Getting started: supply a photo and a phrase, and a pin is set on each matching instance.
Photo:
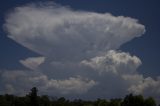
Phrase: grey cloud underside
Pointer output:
(79, 53)
(27, 79)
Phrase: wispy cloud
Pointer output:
(32, 62)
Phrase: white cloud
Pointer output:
(16, 80)
(113, 61)
(74, 43)
(62, 33)
(32, 62)
(147, 86)
(123, 66)
(72, 85)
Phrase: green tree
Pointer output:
(33, 97)
(44, 100)
(102, 102)
(115, 102)
(131, 100)
(150, 102)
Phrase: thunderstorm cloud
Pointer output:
(79, 53)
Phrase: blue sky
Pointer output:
(145, 47)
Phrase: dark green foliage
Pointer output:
(150, 102)
(32, 99)
(131, 100)
(115, 102)
(138, 100)
(44, 100)
(101, 102)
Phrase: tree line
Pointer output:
(32, 99)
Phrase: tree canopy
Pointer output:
(32, 99)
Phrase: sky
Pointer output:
(74, 48)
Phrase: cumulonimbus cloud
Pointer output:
(75, 43)
(52, 30)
